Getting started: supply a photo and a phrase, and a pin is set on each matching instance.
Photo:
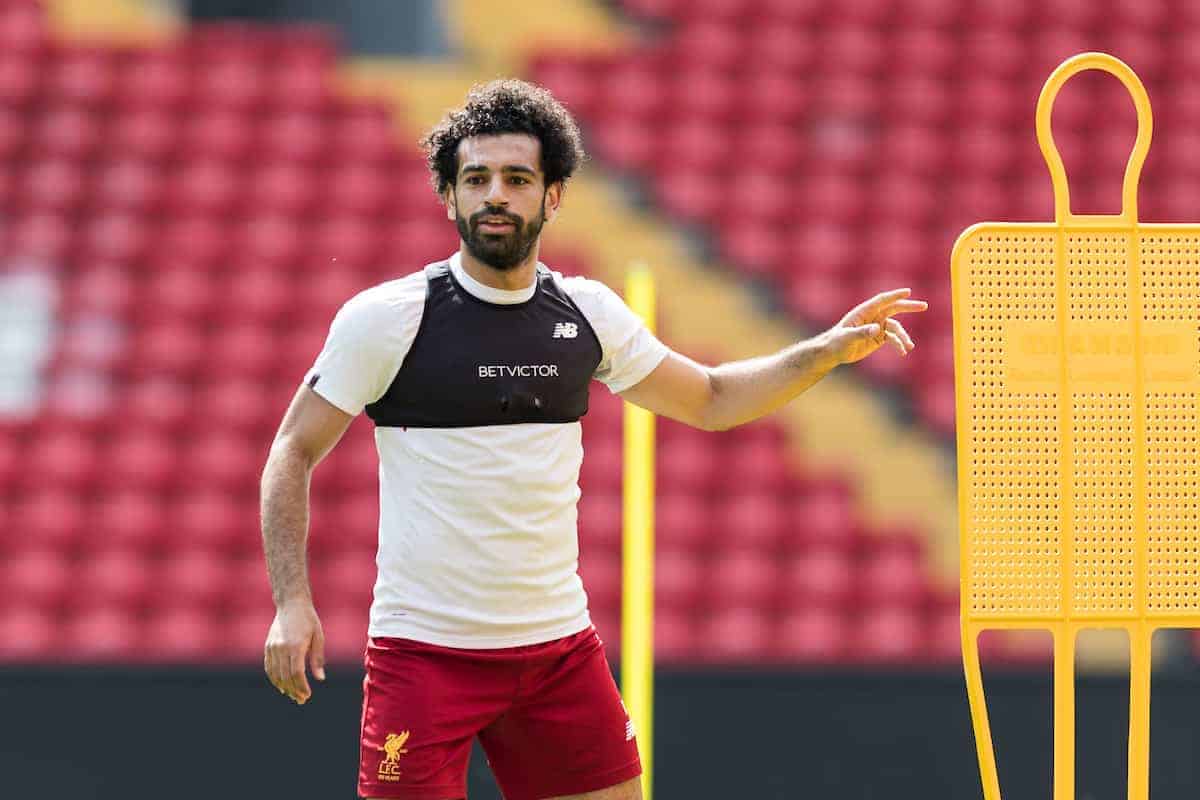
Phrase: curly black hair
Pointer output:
(506, 106)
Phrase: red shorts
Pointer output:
(548, 716)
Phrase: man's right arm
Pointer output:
(310, 429)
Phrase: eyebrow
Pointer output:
(507, 168)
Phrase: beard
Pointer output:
(500, 251)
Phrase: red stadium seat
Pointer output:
(687, 463)
(39, 579)
(65, 132)
(601, 575)
(234, 84)
(191, 577)
(782, 48)
(169, 349)
(82, 76)
(284, 189)
(632, 91)
(754, 246)
(684, 520)
(707, 43)
(128, 185)
(295, 136)
(820, 577)
(42, 237)
(148, 134)
(572, 81)
(49, 517)
(12, 128)
(101, 633)
(64, 459)
(159, 405)
(248, 591)
(356, 189)
(210, 518)
(220, 135)
(155, 78)
(825, 516)
(363, 134)
(736, 635)
(738, 576)
(114, 578)
(195, 239)
(893, 577)
(183, 635)
(600, 521)
(693, 197)
(347, 578)
(890, 635)
(674, 639)
(345, 629)
(263, 295)
(205, 185)
(23, 27)
(27, 635)
(345, 240)
(602, 463)
(299, 85)
(242, 349)
(679, 579)
(811, 636)
(131, 520)
(53, 186)
(752, 519)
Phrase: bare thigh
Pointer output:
(629, 790)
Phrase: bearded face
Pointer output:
(499, 237)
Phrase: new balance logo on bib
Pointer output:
(565, 330)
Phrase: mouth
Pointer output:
(496, 225)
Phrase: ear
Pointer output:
(451, 202)
(553, 200)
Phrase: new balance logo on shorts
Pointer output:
(628, 730)
(565, 330)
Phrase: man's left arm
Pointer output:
(736, 392)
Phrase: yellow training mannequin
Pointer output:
(1077, 377)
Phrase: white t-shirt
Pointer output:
(478, 545)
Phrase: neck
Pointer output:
(519, 277)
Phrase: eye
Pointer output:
(519, 180)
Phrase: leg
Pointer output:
(422, 707)
(1064, 713)
(979, 715)
(1141, 638)
(567, 733)
(629, 790)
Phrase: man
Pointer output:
(476, 371)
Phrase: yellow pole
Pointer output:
(637, 589)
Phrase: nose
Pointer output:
(495, 194)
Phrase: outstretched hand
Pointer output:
(869, 325)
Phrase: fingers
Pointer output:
(895, 340)
(297, 680)
(284, 666)
(316, 657)
(897, 330)
(907, 307)
(869, 309)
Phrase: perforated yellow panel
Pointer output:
(1171, 300)
(1077, 358)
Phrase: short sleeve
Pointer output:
(630, 351)
(367, 343)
